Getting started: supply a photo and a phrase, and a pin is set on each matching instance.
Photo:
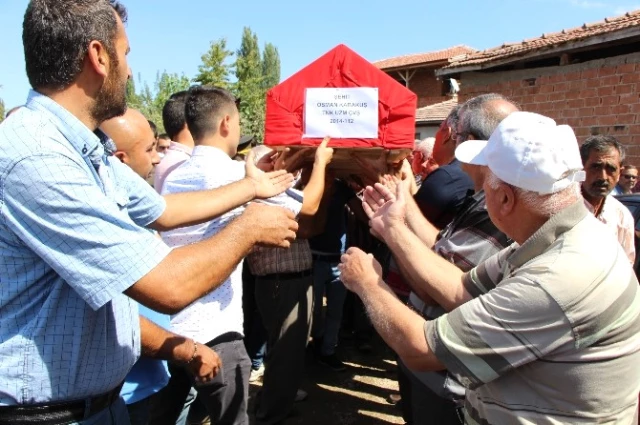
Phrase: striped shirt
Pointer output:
(551, 337)
(467, 241)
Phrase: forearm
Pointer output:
(400, 327)
(192, 271)
(428, 272)
(313, 190)
(190, 208)
(159, 343)
(418, 223)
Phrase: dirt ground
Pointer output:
(357, 396)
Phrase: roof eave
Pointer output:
(430, 64)
(633, 31)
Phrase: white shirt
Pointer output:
(620, 221)
(220, 311)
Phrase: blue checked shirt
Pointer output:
(71, 242)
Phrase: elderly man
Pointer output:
(422, 162)
(543, 332)
(602, 157)
(470, 238)
(73, 248)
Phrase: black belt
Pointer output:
(288, 276)
(327, 258)
(58, 413)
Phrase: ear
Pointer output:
(122, 156)
(97, 58)
(225, 125)
(447, 132)
(507, 199)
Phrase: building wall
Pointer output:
(596, 97)
(423, 131)
(425, 85)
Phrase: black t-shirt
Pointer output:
(442, 193)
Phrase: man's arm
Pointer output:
(400, 327)
(158, 343)
(315, 187)
(190, 272)
(190, 208)
(414, 218)
(428, 273)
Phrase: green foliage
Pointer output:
(150, 102)
(215, 69)
(254, 73)
(250, 87)
(270, 66)
(2, 110)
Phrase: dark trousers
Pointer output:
(225, 397)
(286, 308)
(421, 406)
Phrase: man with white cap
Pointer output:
(544, 332)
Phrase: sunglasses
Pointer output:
(629, 176)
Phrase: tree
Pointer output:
(249, 87)
(214, 70)
(133, 99)
(270, 66)
(150, 102)
(2, 110)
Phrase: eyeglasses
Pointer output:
(629, 176)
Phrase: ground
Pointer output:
(357, 396)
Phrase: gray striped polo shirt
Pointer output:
(551, 337)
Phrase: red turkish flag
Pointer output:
(341, 67)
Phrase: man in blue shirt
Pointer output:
(443, 191)
(73, 251)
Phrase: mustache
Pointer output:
(600, 183)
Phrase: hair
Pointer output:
(629, 167)
(546, 205)
(600, 143)
(56, 36)
(164, 136)
(425, 147)
(205, 107)
(154, 128)
(173, 113)
(478, 118)
(452, 119)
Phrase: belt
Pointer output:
(58, 413)
(327, 258)
(288, 276)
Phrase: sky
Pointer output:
(172, 35)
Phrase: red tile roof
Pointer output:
(423, 58)
(437, 112)
(507, 50)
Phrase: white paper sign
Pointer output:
(342, 113)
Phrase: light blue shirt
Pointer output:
(147, 376)
(71, 242)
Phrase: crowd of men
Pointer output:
(502, 277)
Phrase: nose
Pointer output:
(155, 157)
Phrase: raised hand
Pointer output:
(323, 154)
(359, 271)
(205, 365)
(286, 160)
(272, 226)
(384, 208)
(269, 184)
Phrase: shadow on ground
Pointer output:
(356, 396)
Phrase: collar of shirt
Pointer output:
(89, 144)
(540, 241)
(210, 152)
(175, 146)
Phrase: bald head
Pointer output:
(135, 141)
